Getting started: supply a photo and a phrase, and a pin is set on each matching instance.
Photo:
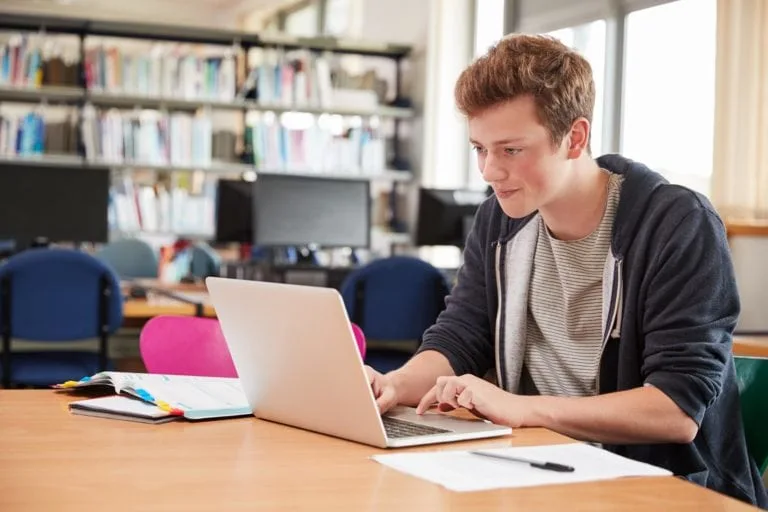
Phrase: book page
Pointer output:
(118, 380)
(190, 393)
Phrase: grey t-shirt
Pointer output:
(564, 331)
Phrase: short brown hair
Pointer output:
(557, 78)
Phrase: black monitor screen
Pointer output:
(59, 204)
(234, 211)
(301, 211)
(445, 216)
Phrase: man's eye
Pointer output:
(512, 151)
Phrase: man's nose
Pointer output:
(493, 170)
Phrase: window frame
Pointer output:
(549, 15)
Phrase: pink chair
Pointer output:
(183, 345)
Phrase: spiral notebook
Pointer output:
(194, 398)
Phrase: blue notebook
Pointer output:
(194, 398)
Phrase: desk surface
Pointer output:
(156, 304)
(53, 460)
(746, 227)
(750, 346)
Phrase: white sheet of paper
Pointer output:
(463, 471)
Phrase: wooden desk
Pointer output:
(144, 309)
(750, 346)
(137, 311)
(52, 460)
(746, 227)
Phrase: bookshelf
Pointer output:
(225, 168)
(63, 95)
(183, 89)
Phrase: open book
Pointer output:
(194, 398)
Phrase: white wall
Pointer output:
(175, 12)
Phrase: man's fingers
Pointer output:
(373, 381)
(465, 399)
(427, 401)
(448, 390)
(386, 400)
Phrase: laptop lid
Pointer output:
(296, 357)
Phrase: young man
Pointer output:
(601, 297)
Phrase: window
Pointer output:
(303, 21)
(489, 24)
(337, 17)
(489, 28)
(589, 40)
(669, 90)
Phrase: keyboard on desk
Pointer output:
(400, 428)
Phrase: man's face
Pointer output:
(516, 156)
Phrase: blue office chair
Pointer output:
(56, 295)
(205, 261)
(131, 258)
(394, 298)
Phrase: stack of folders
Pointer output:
(155, 398)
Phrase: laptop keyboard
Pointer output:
(400, 428)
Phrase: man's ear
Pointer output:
(578, 138)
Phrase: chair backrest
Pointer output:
(55, 295)
(205, 261)
(395, 298)
(752, 375)
(131, 258)
(183, 345)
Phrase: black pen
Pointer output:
(552, 466)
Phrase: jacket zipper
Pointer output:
(497, 265)
(613, 325)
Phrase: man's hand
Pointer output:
(383, 389)
(478, 396)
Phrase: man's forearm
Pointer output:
(643, 415)
(418, 376)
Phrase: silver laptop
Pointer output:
(298, 362)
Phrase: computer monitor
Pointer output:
(445, 216)
(308, 211)
(234, 211)
(55, 204)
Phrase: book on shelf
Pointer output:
(193, 398)
(314, 144)
(31, 134)
(163, 70)
(300, 78)
(162, 207)
(32, 60)
(22, 135)
(148, 137)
